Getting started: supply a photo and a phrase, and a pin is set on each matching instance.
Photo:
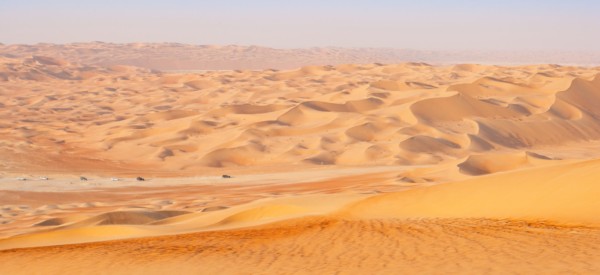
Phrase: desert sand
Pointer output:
(335, 169)
(186, 57)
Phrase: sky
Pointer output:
(423, 25)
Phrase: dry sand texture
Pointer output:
(350, 168)
(59, 117)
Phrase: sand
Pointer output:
(346, 169)
(538, 222)
(189, 58)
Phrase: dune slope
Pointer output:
(508, 222)
(177, 56)
(560, 194)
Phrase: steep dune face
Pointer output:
(67, 117)
(564, 194)
(572, 117)
(457, 108)
(492, 163)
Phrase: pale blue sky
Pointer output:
(429, 24)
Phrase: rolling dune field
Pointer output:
(325, 169)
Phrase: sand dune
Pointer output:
(560, 194)
(373, 167)
(552, 210)
(336, 246)
(190, 123)
(176, 56)
(493, 163)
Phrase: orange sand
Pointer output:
(382, 169)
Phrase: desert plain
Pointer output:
(351, 168)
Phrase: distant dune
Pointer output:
(63, 116)
(175, 56)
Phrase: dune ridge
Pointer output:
(186, 57)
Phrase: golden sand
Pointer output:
(360, 169)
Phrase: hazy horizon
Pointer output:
(427, 25)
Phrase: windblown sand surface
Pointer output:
(366, 169)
